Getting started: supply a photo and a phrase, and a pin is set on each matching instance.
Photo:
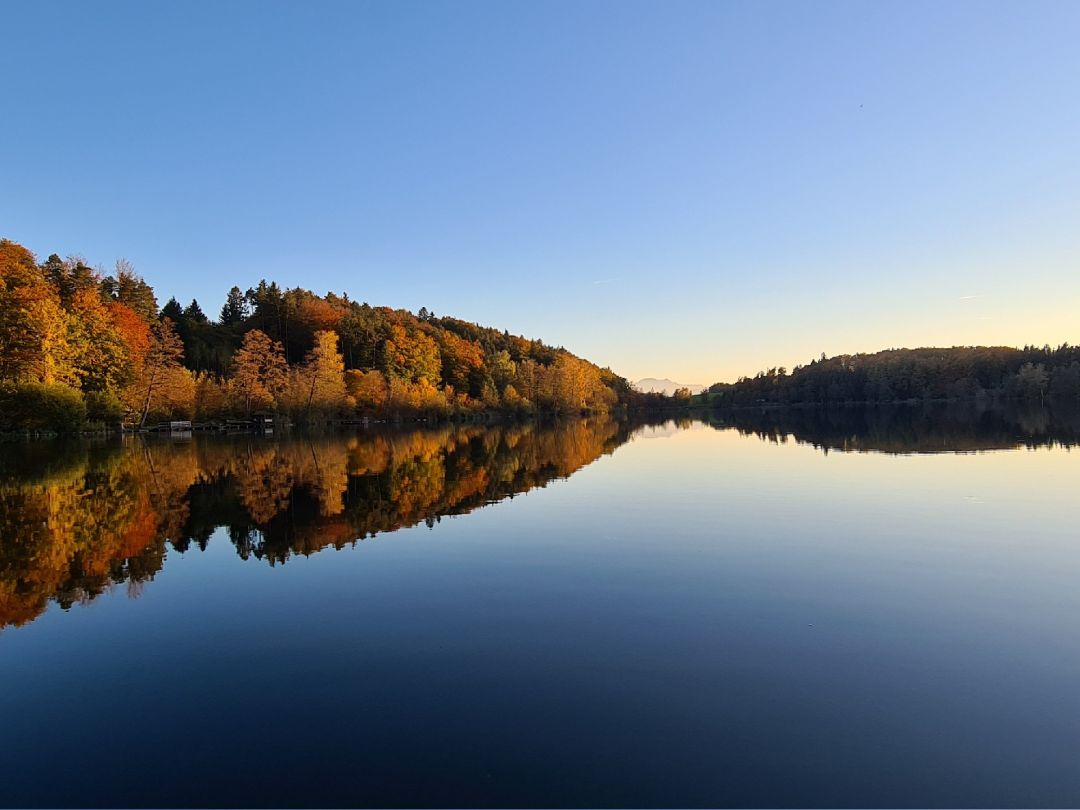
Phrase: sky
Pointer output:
(672, 189)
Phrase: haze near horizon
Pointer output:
(694, 191)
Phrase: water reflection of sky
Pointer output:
(703, 619)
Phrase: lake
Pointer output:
(876, 607)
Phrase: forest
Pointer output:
(899, 375)
(79, 348)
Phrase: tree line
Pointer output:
(898, 375)
(80, 347)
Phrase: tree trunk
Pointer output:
(311, 396)
(146, 402)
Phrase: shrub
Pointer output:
(104, 407)
(41, 406)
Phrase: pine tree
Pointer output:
(235, 309)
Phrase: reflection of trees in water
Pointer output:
(928, 428)
(72, 533)
(74, 521)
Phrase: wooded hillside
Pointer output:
(904, 374)
(77, 345)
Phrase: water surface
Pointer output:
(815, 608)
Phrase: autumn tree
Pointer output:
(33, 326)
(310, 314)
(369, 390)
(412, 355)
(571, 384)
(215, 397)
(503, 369)
(322, 375)
(162, 381)
(99, 353)
(128, 287)
(527, 380)
(462, 362)
(133, 331)
(259, 370)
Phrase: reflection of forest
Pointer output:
(951, 427)
(76, 520)
(75, 523)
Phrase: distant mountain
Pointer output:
(665, 386)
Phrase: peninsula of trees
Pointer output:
(78, 346)
(898, 375)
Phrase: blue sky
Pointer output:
(693, 190)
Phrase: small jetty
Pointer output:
(260, 424)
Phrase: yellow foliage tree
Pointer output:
(162, 385)
(369, 389)
(259, 370)
(33, 326)
(323, 376)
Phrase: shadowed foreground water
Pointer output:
(801, 608)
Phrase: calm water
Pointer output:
(813, 608)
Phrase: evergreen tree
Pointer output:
(193, 312)
(172, 310)
(235, 310)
